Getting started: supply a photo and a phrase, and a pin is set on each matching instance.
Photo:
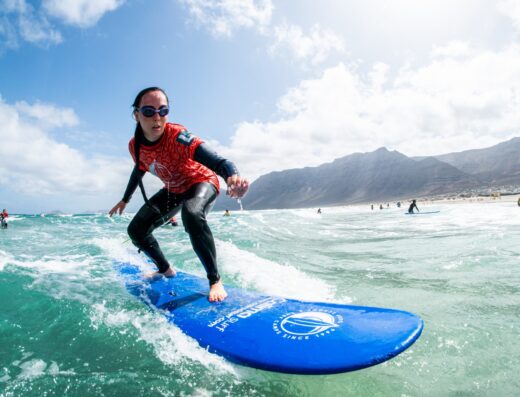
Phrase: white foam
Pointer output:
(199, 392)
(12, 218)
(258, 215)
(121, 250)
(63, 264)
(5, 258)
(73, 264)
(32, 369)
(170, 344)
(36, 367)
(307, 213)
(270, 277)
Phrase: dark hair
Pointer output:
(142, 93)
(139, 134)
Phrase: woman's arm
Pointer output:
(133, 182)
(237, 186)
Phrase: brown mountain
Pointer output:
(382, 175)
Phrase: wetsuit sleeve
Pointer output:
(132, 184)
(214, 162)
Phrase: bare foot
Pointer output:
(156, 275)
(217, 293)
(169, 273)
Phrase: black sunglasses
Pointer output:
(149, 111)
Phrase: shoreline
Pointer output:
(512, 198)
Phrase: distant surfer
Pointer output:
(319, 210)
(173, 221)
(226, 213)
(3, 218)
(518, 202)
(188, 169)
(412, 206)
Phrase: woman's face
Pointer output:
(153, 127)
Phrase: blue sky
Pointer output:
(271, 85)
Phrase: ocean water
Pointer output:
(68, 327)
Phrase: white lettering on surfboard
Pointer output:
(306, 325)
(242, 313)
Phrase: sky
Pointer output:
(269, 84)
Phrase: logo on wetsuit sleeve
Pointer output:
(185, 138)
(303, 325)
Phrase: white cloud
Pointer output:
(14, 5)
(314, 47)
(452, 104)
(47, 115)
(82, 13)
(31, 162)
(510, 9)
(19, 21)
(8, 35)
(222, 17)
(38, 30)
(453, 49)
(22, 22)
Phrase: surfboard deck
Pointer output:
(274, 333)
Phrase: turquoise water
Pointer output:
(69, 328)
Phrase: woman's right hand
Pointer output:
(118, 208)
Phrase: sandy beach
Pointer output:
(513, 199)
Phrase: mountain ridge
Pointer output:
(383, 175)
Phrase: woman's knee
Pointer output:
(136, 231)
(193, 219)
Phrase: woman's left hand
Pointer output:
(237, 186)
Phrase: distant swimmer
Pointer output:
(227, 213)
(319, 210)
(3, 217)
(412, 206)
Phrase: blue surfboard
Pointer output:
(274, 333)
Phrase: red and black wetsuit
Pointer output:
(188, 170)
(3, 217)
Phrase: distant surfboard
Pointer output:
(421, 213)
(274, 333)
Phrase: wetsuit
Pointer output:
(412, 206)
(3, 218)
(187, 167)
